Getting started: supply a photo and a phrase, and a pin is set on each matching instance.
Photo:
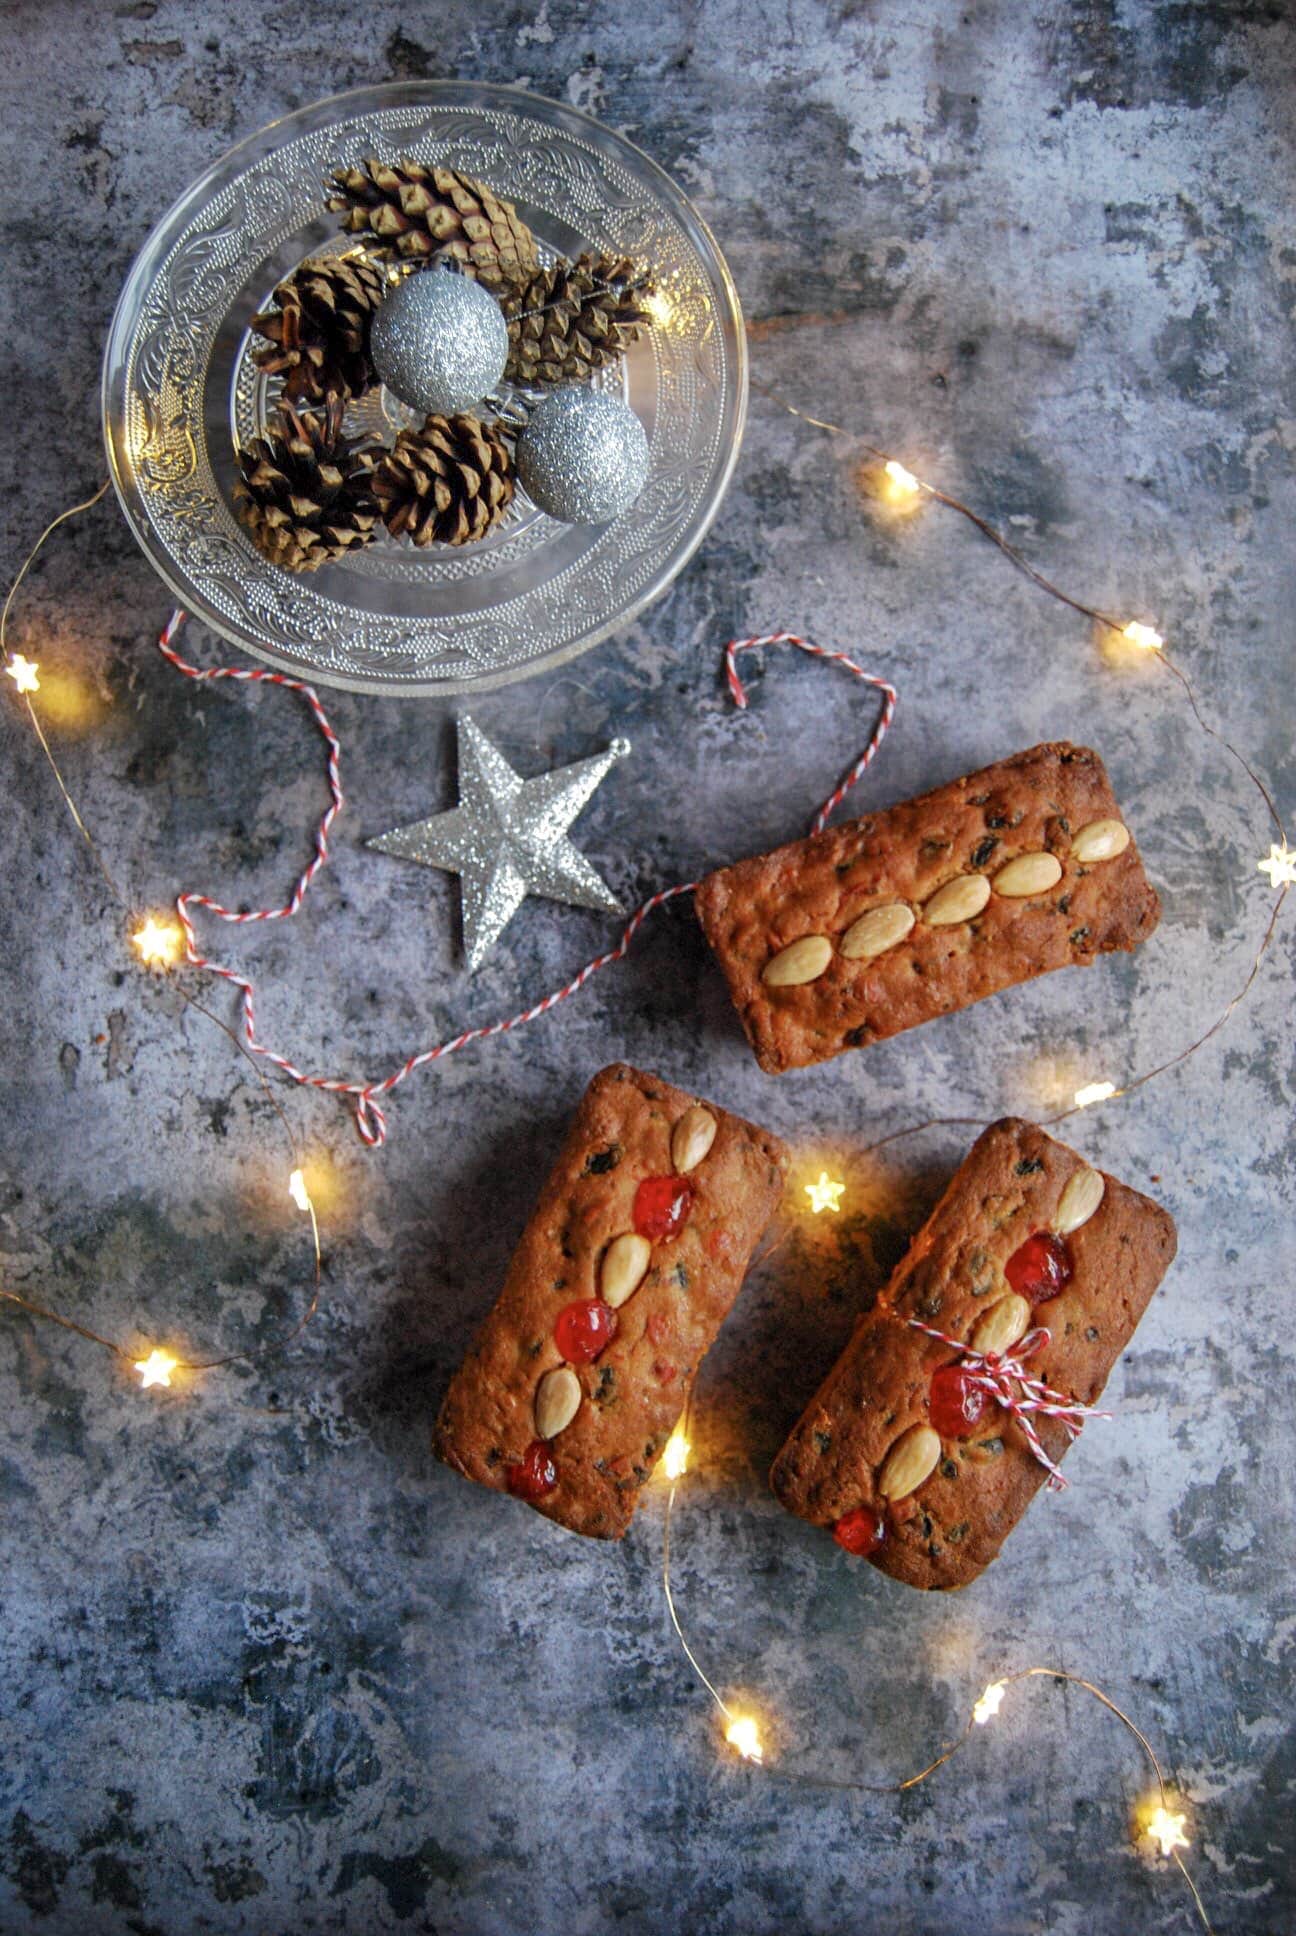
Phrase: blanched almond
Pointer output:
(1028, 874)
(959, 900)
(876, 931)
(1002, 1325)
(692, 1137)
(1079, 1200)
(557, 1401)
(1100, 840)
(909, 1461)
(624, 1262)
(801, 961)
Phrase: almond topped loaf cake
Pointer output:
(622, 1278)
(1035, 1270)
(885, 922)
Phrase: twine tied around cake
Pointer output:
(1003, 1377)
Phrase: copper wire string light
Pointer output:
(158, 945)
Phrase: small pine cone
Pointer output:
(449, 483)
(415, 212)
(318, 331)
(570, 320)
(305, 491)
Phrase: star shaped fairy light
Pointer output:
(156, 944)
(23, 673)
(1166, 1829)
(989, 1704)
(1280, 865)
(156, 1369)
(507, 838)
(825, 1194)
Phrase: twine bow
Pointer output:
(1002, 1376)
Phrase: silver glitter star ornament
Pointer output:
(507, 838)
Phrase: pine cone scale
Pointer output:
(413, 211)
(304, 491)
(449, 483)
(318, 332)
(567, 321)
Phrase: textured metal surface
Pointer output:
(265, 1668)
(180, 388)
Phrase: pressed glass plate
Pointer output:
(180, 387)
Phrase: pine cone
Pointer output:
(416, 212)
(305, 490)
(568, 321)
(449, 483)
(319, 332)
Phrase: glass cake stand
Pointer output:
(180, 388)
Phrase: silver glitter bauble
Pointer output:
(439, 342)
(583, 456)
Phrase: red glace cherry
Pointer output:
(583, 1329)
(534, 1474)
(955, 1403)
(1041, 1268)
(861, 1531)
(661, 1206)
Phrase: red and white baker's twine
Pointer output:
(1002, 1376)
(370, 1118)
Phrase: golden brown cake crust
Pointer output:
(1034, 802)
(951, 1527)
(634, 1392)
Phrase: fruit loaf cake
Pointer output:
(882, 923)
(625, 1273)
(903, 1453)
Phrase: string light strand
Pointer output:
(742, 1732)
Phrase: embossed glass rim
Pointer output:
(344, 109)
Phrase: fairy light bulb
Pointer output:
(1280, 865)
(743, 1734)
(23, 673)
(904, 486)
(990, 1703)
(156, 1369)
(1145, 637)
(1093, 1092)
(659, 306)
(298, 1192)
(1165, 1827)
(826, 1194)
(156, 943)
(675, 1458)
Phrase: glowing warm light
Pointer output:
(659, 306)
(826, 1194)
(1094, 1092)
(742, 1733)
(23, 673)
(1166, 1829)
(156, 1369)
(1144, 636)
(298, 1192)
(676, 1456)
(990, 1703)
(157, 944)
(1280, 865)
(903, 483)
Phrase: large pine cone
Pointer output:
(319, 329)
(569, 320)
(417, 212)
(449, 483)
(305, 491)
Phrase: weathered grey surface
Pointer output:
(267, 1669)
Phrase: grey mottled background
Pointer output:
(266, 1668)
